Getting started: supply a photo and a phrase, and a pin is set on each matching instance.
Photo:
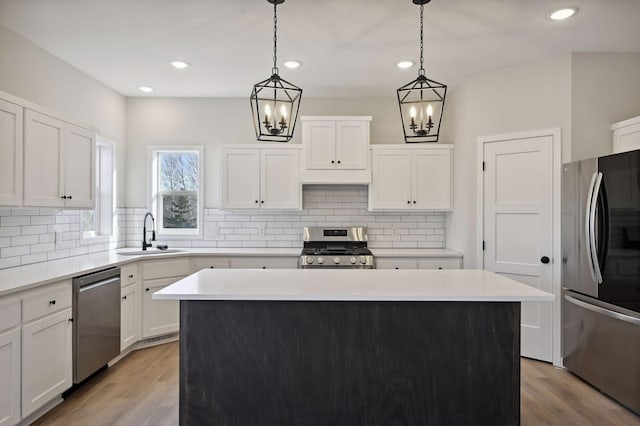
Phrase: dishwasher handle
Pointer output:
(99, 284)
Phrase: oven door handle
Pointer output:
(602, 311)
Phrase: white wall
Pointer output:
(212, 122)
(31, 73)
(605, 90)
(530, 96)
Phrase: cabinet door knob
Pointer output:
(414, 202)
(64, 197)
(212, 267)
(69, 197)
(124, 297)
(408, 202)
(397, 267)
(262, 201)
(332, 162)
(70, 319)
(52, 302)
(256, 201)
(544, 259)
(338, 161)
(130, 275)
(264, 267)
(146, 289)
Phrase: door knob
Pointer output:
(544, 259)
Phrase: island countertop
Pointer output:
(351, 285)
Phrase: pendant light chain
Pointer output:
(275, 38)
(421, 71)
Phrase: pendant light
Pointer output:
(275, 101)
(422, 100)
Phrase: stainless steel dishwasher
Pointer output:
(96, 321)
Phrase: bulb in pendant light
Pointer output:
(283, 112)
(412, 112)
(429, 111)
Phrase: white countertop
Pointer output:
(30, 276)
(350, 285)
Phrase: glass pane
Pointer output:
(180, 211)
(88, 223)
(178, 171)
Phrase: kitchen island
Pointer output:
(349, 347)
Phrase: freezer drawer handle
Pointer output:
(599, 310)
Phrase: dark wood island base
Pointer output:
(349, 363)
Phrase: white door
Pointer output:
(319, 144)
(11, 125)
(390, 187)
(80, 174)
(10, 377)
(279, 181)
(240, 179)
(352, 145)
(46, 360)
(159, 316)
(44, 159)
(518, 228)
(432, 179)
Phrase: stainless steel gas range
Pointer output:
(336, 248)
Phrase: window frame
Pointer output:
(105, 215)
(154, 201)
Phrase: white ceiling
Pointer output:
(347, 47)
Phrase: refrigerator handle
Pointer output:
(592, 229)
(599, 310)
(588, 226)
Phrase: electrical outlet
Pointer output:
(212, 232)
(261, 230)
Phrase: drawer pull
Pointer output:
(70, 319)
(146, 289)
(211, 267)
(52, 302)
(130, 275)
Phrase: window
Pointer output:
(98, 224)
(176, 199)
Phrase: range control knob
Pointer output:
(309, 260)
(363, 259)
(320, 260)
(336, 260)
(352, 260)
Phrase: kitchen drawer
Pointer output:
(396, 264)
(264, 262)
(208, 262)
(439, 264)
(50, 299)
(9, 313)
(153, 269)
(129, 274)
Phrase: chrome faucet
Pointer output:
(144, 231)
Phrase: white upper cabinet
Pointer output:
(59, 163)
(626, 135)
(335, 149)
(405, 177)
(260, 177)
(11, 124)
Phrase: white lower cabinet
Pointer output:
(159, 316)
(208, 262)
(46, 359)
(10, 359)
(264, 262)
(419, 263)
(129, 314)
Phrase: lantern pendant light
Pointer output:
(275, 101)
(422, 100)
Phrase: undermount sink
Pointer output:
(152, 251)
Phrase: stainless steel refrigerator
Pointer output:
(601, 274)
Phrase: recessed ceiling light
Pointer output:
(562, 14)
(179, 64)
(405, 64)
(145, 89)
(292, 64)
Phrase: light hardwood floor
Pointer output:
(142, 389)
